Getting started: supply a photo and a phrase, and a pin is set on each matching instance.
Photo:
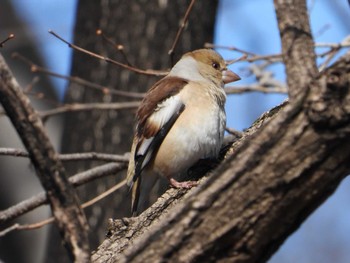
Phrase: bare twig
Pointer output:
(232, 61)
(232, 48)
(31, 85)
(52, 219)
(247, 55)
(179, 32)
(345, 43)
(236, 133)
(334, 48)
(2, 43)
(94, 156)
(71, 156)
(89, 107)
(106, 90)
(118, 47)
(76, 180)
(256, 88)
(104, 194)
(149, 72)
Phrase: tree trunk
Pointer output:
(147, 30)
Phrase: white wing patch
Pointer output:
(162, 114)
(165, 110)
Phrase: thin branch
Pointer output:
(94, 156)
(256, 88)
(330, 55)
(71, 156)
(52, 219)
(247, 55)
(27, 89)
(89, 107)
(345, 43)
(232, 48)
(104, 194)
(76, 180)
(118, 47)
(149, 72)
(9, 37)
(334, 49)
(106, 90)
(236, 133)
(179, 32)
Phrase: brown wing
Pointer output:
(162, 90)
(156, 115)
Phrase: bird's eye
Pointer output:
(215, 65)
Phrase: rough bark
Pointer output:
(297, 45)
(273, 178)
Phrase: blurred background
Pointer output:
(249, 25)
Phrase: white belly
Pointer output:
(190, 139)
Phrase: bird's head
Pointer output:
(204, 63)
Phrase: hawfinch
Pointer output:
(180, 120)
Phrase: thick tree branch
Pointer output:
(63, 199)
(297, 45)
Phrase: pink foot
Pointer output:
(187, 184)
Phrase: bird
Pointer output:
(180, 120)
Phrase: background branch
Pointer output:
(297, 45)
(63, 199)
(52, 219)
(108, 60)
(76, 180)
(89, 107)
(106, 90)
(71, 156)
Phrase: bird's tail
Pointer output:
(135, 195)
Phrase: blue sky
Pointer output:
(250, 25)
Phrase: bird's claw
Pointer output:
(186, 184)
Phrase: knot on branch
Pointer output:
(329, 104)
(118, 226)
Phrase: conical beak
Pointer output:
(228, 76)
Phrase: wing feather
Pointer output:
(157, 114)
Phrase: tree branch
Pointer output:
(52, 219)
(89, 107)
(9, 37)
(76, 180)
(148, 72)
(63, 199)
(106, 90)
(69, 157)
(297, 45)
